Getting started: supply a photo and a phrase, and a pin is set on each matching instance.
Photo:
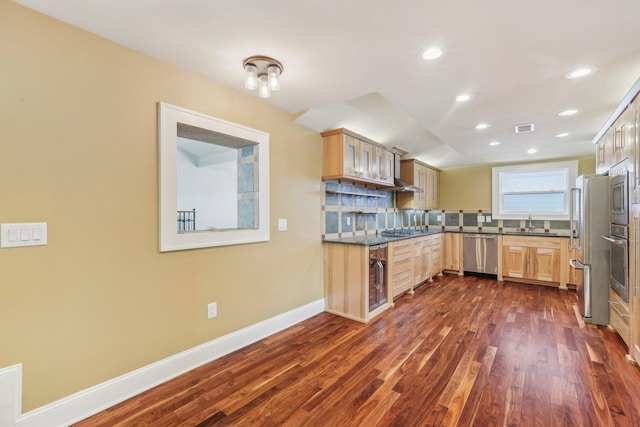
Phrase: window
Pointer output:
(540, 189)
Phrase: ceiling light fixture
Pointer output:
(262, 73)
(494, 143)
(432, 53)
(570, 112)
(463, 98)
(481, 126)
(580, 72)
(532, 151)
(562, 135)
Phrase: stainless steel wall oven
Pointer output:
(619, 260)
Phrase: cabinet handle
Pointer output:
(613, 305)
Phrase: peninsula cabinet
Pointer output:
(347, 155)
(346, 282)
(533, 258)
(423, 176)
(400, 266)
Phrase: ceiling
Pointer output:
(357, 64)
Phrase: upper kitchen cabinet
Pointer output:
(618, 140)
(347, 155)
(604, 153)
(423, 176)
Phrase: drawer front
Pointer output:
(402, 261)
(401, 282)
(619, 316)
(402, 247)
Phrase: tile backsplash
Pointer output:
(352, 210)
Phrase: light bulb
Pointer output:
(251, 77)
(263, 89)
(273, 72)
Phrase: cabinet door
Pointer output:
(635, 151)
(421, 181)
(451, 251)
(351, 156)
(418, 261)
(545, 264)
(603, 153)
(432, 189)
(388, 166)
(513, 261)
(367, 154)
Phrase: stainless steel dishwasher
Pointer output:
(480, 253)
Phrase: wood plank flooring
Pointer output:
(464, 351)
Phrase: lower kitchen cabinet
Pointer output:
(452, 252)
(346, 282)
(421, 259)
(620, 317)
(401, 264)
(533, 258)
(435, 266)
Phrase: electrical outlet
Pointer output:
(348, 220)
(487, 218)
(480, 219)
(439, 218)
(212, 310)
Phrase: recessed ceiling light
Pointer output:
(481, 126)
(570, 112)
(580, 72)
(494, 143)
(432, 53)
(562, 135)
(532, 151)
(463, 98)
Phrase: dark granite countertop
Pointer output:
(380, 239)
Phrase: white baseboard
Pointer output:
(85, 403)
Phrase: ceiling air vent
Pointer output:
(525, 128)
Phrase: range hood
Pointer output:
(399, 185)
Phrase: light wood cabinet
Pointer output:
(436, 264)
(423, 176)
(635, 152)
(347, 155)
(603, 153)
(620, 318)
(400, 266)
(346, 282)
(452, 252)
(421, 257)
(533, 258)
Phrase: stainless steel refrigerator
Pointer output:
(590, 215)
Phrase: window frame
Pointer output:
(497, 195)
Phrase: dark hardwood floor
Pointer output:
(461, 351)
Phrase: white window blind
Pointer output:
(540, 189)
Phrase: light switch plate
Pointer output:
(480, 219)
(23, 234)
(487, 218)
(282, 225)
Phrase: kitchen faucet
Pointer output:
(531, 227)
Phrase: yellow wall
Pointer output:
(470, 188)
(78, 150)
